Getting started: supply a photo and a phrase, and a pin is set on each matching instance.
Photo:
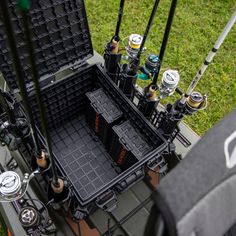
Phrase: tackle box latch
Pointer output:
(157, 164)
(130, 180)
(107, 201)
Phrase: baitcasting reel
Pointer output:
(169, 83)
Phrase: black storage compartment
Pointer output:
(79, 153)
(127, 145)
(61, 40)
(102, 114)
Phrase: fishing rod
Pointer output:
(170, 79)
(154, 9)
(192, 101)
(112, 56)
(57, 183)
(8, 132)
(209, 58)
(129, 73)
(165, 38)
(18, 70)
(5, 105)
(120, 14)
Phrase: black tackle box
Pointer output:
(62, 40)
(102, 114)
(128, 145)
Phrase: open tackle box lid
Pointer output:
(60, 35)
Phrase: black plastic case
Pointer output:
(61, 39)
(79, 153)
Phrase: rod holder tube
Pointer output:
(127, 82)
(148, 101)
(112, 65)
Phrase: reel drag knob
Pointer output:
(135, 41)
(132, 49)
(195, 102)
(169, 83)
(10, 184)
(29, 217)
(152, 63)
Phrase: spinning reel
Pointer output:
(12, 187)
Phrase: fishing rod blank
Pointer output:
(6, 108)
(154, 9)
(129, 76)
(209, 57)
(17, 65)
(120, 14)
(165, 37)
(192, 101)
(56, 182)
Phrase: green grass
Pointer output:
(196, 26)
(2, 226)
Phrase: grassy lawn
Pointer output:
(197, 25)
(2, 226)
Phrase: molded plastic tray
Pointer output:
(83, 157)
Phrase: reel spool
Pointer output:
(152, 63)
(195, 102)
(34, 217)
(134, 44)
(151, 66)
(169, 83)
(29, 217)
(10, 185)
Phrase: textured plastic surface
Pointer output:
(60, 36)
(65, 99)
(132, 139)
(101, 114)
(80, 155)
(128, 146)
(104, 105)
